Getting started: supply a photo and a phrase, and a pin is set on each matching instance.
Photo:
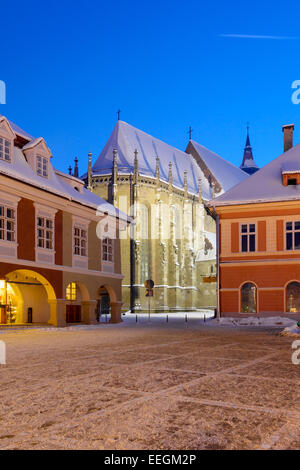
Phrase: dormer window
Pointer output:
(290, 173)
(42, 166)
(5, 150)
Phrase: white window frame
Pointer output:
(106, 243)
(80, 261)
(43, 254)
(293, 231)
(8, 248)
(78, 238)
(47, 227)
(5, 143)
(42, 165)
(248, 233)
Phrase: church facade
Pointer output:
(173, 240)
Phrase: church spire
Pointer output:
(248, 164)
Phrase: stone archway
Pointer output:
(110, 304)
(78, 303)
(28, 297)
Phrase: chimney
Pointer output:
(288, 130)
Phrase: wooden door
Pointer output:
(73, 313)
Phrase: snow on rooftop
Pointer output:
(20, 170)
(266, 184)
(227, 174)
(20, 131)
(126, 139)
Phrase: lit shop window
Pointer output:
(71, 291)
(45, 233)
(7, 224)
(80, 242)
(42, 166)
(5, 150)
(292, 235)
(107, 249)
(247, 237)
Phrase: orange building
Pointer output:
(259, 239)
(59, 243)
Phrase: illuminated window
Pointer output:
(42, 166)
(7, 224)
(247, 237)
(45, 233)
(5, 150)
(80, 242)
(71, 291)
(107, 249)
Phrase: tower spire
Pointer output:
(76, 172)
(90, 171)
(248, 164)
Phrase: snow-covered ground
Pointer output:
(254, 321)
(149, 386)
(292, 330)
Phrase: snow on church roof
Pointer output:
(227, 174)
(266, 184)
(19, 169)
(126, 139)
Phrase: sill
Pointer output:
(45, 250)
(8, 243)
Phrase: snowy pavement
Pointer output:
(156, 385)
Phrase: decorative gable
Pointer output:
(7, 137)
(38, 156)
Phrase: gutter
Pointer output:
(212, 212)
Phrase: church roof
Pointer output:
(227, 174)
(266, 184)
(126, 139)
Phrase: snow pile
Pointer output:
(292, 330)
(255, 321)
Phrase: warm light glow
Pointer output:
(2, 283)
(71, 291)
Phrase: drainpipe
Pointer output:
(215, 216)
(218, 265)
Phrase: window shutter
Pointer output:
(262, 239)
(235, 237)
(279, 235)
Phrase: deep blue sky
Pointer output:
(70, 65)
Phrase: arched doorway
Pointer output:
(248, 298)
(24, 297)
(293, 297)
(103, 305)
(76, 296)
